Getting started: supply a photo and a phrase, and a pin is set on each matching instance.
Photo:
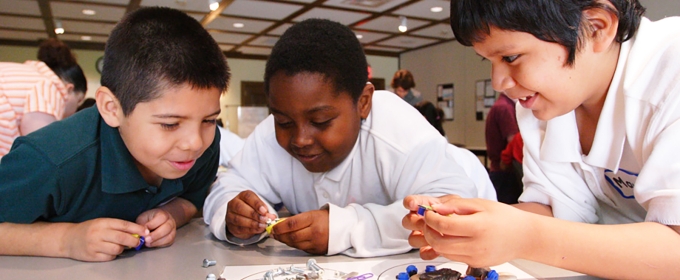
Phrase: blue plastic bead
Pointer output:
(402, 276)
(469, 277)
(492, 275)
(141, 243)
(421, 210)
(430, 268)
(411, 270)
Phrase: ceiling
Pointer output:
(27, 22)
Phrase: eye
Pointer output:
(511, 58)
(484, 59)
(283, 124)
(322, 123)
(169, 126)
(211, 122)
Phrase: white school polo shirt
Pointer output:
(397, 153)
(632, 173)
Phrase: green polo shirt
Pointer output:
(79, 169)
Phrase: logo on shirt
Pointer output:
(623, 182)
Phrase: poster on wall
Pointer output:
(445, 100)
(485, 97)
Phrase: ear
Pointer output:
(365, 101)
(603, 27)
(109, 107)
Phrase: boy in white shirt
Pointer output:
(599, 91)
(339, 157)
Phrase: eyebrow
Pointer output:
(311, 111)
(503, 49)
(172, 116)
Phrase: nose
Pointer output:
(501, 80)
(302, 137)
(192, 141)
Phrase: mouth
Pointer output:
(527, 101)
(183, 165)
(307, 158)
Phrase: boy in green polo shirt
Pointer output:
(139, 163)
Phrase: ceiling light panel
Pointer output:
(249, 26)
(407, 42)
(183, 5)
(261, 9)
(421, 9)
(89, 28)
(365, 5)
(343, 17)
(23, 35)
(22, 23)
(229, 38)
(21, 7)
(75, 11)
(390, 24)
(442, 31)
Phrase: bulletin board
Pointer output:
(485, 98)
(445, 100)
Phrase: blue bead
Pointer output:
(492, 275)
(421, 210)
(411, 270)
(469, 277)
(141, 243)
(430, 268)
(402, 276)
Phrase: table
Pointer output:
(183, 260)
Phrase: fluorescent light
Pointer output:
(89, 12)
(214, 4)
(58, 28)
(436, 9)
(359, 36)
(86, 38)
(239, 25)
(402, 26)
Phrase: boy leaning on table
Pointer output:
(140, 162)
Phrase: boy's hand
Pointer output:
(247, 215)
(478, 232)
(162, 226)
(307, 231)
(101, 239)
(416, 223)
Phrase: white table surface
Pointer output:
(183, 260)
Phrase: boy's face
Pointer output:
(534, 71)
(166, 135)
(313, 123)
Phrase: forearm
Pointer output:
(626, 251)
(535, 208)
(181, 210)
(37, 239)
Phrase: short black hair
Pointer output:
(324, 47)
(404, 79)
(58, 56)
(154, 48)
(548, 20)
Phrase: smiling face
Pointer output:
(167, 134)
(315, 124)
(534, 71)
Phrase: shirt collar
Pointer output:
(119, 171)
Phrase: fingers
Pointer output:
(251, 199)
(460, 206)
(243, 227)
(126, 226)
(413, 221)
(164, 236)
(427, 253)
(294, 223)
(417, 240)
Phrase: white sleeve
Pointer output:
(557, 184)
(249, 170)
(371, 230)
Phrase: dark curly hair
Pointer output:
(321, 46)
(548, 20)
(58, 56)
(152, 48)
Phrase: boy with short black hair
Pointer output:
(599, 89)
(140, 162)
(337, 155)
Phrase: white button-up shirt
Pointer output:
(632, 172)
(397, 153)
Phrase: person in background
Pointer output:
(513, 156)
(34, 94)
(404, 85)
(339, 156)
(433, 115)
(599, 89)
(501, 127)
(140, 162)
(230, 145)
